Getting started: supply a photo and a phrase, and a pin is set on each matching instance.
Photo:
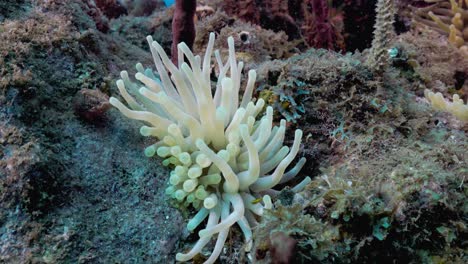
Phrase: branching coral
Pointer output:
(448, 17)
(224, 159)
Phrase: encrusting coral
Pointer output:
(225, 160)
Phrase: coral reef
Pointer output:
(323, 81)
(135, 29)
(405, 203)
(62, 198)
(16, 165)
(253, 44)
(438, 66)
(318, 22)
(386, 213)
(141, 8)
(322, 28)
(448, 17)
(338, 25)
(102, 23)
(111, 8)
(388, 172)
(246, 10)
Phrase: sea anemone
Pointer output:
(225, 160)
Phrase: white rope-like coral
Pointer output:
(224, 158)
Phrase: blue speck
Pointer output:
(393, 52)
(169, 2)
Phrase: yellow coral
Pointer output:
(457, 107)
(449, 17)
